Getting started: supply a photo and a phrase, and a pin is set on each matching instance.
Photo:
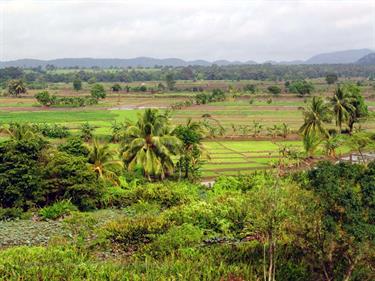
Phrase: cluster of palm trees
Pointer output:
(346, 107)
(152, 145)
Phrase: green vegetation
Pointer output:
(99, 194)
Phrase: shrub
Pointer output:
(167, 194)
(77, 84)
(114, 197)
(275, 90)
(116, 87)
(68, 177)
(10, 213)
(222, 214)
(45, 98)
(177, 237)
(52, 131)
(135, 230)
(98, 92)
(74, 146)
(57, 210)
(87, 131)
(251, 88)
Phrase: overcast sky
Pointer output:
(218, 29)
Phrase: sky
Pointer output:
(210, 30)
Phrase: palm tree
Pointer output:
(19, 131)
(149, 144)
(101, 157)
(342, 107)
(16, 87)
(331, 144)
(192, 149)
(315, 115)
(311, 142)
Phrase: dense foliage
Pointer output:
(214, 72)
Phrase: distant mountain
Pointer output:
(106, 63)
(341, 57)
(367, 59)
(348, 56)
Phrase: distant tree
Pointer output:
(315, 115)
(359, 108)
(161, 87)
(331, 78)
(50, 67)
(92, 80)
(341, 105)
(250, 88)
(116, 87)
(87, 131)
(301, 87)
(275, 90)
(217, 95)
(45, 98)
(169, 80)
(77, 84)
(98, 91)
(16, 87)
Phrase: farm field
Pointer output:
(235, 152)
(229, 155)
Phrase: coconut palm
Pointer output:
(192, 149)
(311, 142)
(341, 105)
(101, 157)
(331, 144)
(315, 115)
(150, 145)
(16, 87)
(18, 131)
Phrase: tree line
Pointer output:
(214, 72)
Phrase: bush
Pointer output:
(87, 131)
(74, 146)
(52, 131)
(275, 90)
(57, 210)
(177, 237)
(10, 213)
(68, 177)
(135, 230)
(251, 88)
(45, 98)
(98, 92)
(222, 214)
(114, 197)
(167, 194)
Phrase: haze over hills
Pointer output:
(347, 56)
(367, 60)
(340, 57)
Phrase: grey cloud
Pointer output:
(235, 30)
